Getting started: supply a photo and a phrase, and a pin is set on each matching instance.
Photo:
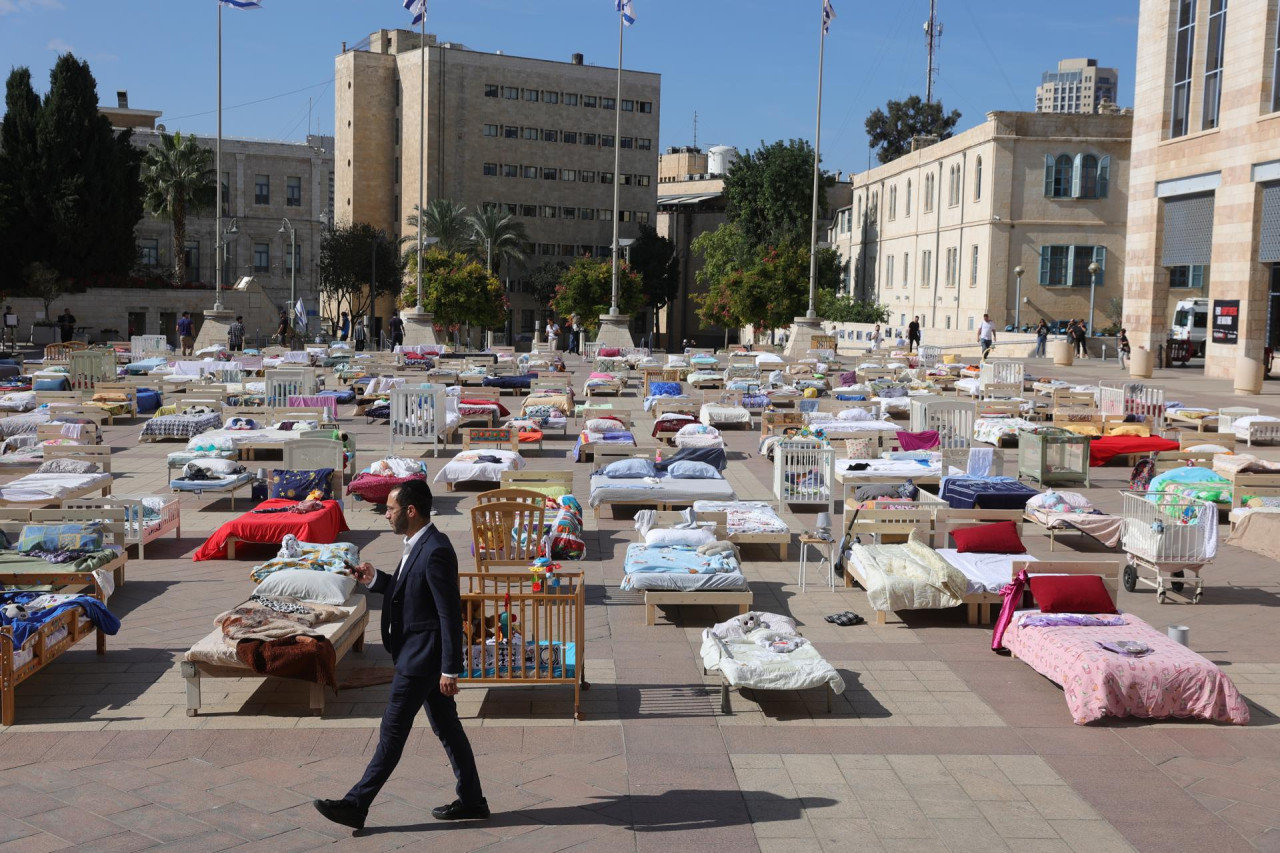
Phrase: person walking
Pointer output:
(1123, 345)
(1042, 338)
(396, 327)
(186, 333)
(876, 337)
(235, 335)
(9, 334)
(553, 335)
(422, 628)
(67, 325)
(913, 334)
(344, 327)
(282, 329)
(986, 335)
(360, 336)
(1081, 338)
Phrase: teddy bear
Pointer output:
(14, 611)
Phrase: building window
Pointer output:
(569, 137)
(642, 216)
(529, 210)
(531, 172)
(973, 268)
(628, 106)
(1275, 72)
(888, 272)
(548, 174)
(928, 193)
(570, 99)
(893, 203)
(526, 320)
(511, 209)
(1184, 55)
(606, 214)
(490, 90)
(953, 186)
(191, 260)
(626, 179)
(627, 142)
(226, 193)
(568, 174)
(643, 144)
(906, 262)
(550, 136)
(511, 93)
(261, 189)
(1187, 277)
(586, 176)
(547, 248)
(510, 170)
(642, 180)
(977, 180)
(568, 213)
(1062, 266)
(149, 252)
(606, 177)
(550, 211)
(530, 134)
(626, 216)
(490, 130)
(262, 257)
(926, 261)
(589, 101)
(906, 201)
(589, 139)
(531, 95)
(294, 263)
(587, 213)
(491, 169)
(550, 97)
(952, 264)
(606, 140)
(510, 131)
(1057, 176)
(646, 106)
(1213, 63)
(608, 104)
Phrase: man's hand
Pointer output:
(448, 685)
(365, 573)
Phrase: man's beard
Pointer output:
(400, 522)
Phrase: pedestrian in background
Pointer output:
(397, 331)
(344, 327)
(282, 329)
(913, 333)
(986, 335)
(1123, 343)
(360, 336)
(186, 333)
(1042, 338)
(235, 335)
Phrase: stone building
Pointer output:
(939, 232)
(689, 206)
(533, 137)
(1204, 201)
(1078, 86)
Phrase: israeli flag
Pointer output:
(828, 15)
(628, 11)
(300, 315)
(241, 4)
(418, 8)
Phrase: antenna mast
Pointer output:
(933, 38)
(695, 128)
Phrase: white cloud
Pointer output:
(59, 46)
(9, 7)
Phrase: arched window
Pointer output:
(859, 210)
(908, 198)
(1062, 177)
(893, 202)
(928, 192)
(1089, 176)
(977, 180)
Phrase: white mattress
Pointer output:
(675, 582)
(48, 487)
(713, 413)
(984, 572)
(212, 649)
(463, 469)
(889, 468)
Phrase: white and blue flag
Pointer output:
(418, 8)
(628, 10)
(300, 316)
(241, 4)
(828, 15)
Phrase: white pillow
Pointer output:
(855, 415)
(1049, 498)
(689, 537)
(218, 466)
(1208, 448)
(308, 585)
(604, 425)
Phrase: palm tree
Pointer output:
(178, 176)
(445, 221)
(497, 237)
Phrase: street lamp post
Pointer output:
(293, 267)
(1017, 298)
(1094, 269)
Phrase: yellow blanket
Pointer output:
(911, 576)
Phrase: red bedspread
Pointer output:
(1103, 450)
(376, 489)
(321, 527)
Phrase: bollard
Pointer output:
(1180, 634)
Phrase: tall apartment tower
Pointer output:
(533, 137)
(1078, 86)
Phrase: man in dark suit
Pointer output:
(422, 628)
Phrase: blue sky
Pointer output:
(748, 67)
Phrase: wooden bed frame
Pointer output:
(170, 517)
(1108, 570)
(655, 598)
(536, 480)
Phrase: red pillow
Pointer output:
(1071, 594)
(999, 537)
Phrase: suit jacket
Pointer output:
(422, 610)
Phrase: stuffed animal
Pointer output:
(14, 611)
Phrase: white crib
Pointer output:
(804, 472)
(1134, 398)
(283, 384)
(419, 416)
(140, 346)
(953, 419)
(1258, 430)
(998, 377)
(89, 367)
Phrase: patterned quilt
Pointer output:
(181, 426)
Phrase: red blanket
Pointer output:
(321, 527)
(1102, 450)
(376, 489)
(307, 658)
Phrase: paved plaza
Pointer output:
(937, 744)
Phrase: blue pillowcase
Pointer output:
(296, 485)
(630, 469)
(852, 398)
(664, 389)
(51, 385)
(61, 537)
(690, 470)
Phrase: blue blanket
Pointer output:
(23, 629)
(523, 381)
(993, 493)
(675, 559)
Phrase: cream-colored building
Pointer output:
(688, 207)
(1204, 205)
(533, 137)
(939, 232)
(1078, 86)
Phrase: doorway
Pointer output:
(1273, 316)
(169, 323)
(137, 323)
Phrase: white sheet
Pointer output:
(984, 572)
(745, 663)
(50, 487)
(713, 414)
(464, 468)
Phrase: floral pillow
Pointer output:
(860, 448)
(296, 485)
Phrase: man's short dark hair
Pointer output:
(239, 318)
(416, 494)
(186, 313)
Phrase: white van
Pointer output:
(1191, 323)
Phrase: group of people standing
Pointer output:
(572, 327)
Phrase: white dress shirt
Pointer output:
(409, 543)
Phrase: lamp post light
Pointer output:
(1094, 269)
(285, 225)
(1017, 299)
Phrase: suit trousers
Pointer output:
(407, 696)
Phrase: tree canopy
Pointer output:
(586, 289)
(457, 290)
(842, 308)
(346, 268)
(770, 191)
(497, 237)
(446, 221)
(653, 259)
(891, 130)
(178, 177)
(69, 184)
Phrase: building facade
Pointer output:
(939, 233)
(1204, 206)
(533, 137)
(1078, 86)
(688, 207)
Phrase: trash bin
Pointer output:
(1140, 362)
(1063, 356)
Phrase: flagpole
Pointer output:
(817, 156)
(422, 146)
(617, 160)
(217, 159)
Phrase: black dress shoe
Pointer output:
(340, 811)
(457, 810)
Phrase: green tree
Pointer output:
(586, 289)
(67, 180)
(653, 258)
(457, 290)
(444, 220)
(497, 238)
(178, 175)
(348, 257)
(770, 192)
(43, 283)
(842, 308)
(891, 130)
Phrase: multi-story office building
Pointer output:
(533, 137)
(939, 232)
(1078, 86)
(1204, 200)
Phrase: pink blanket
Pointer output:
(1172, 681)
(926, 440)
